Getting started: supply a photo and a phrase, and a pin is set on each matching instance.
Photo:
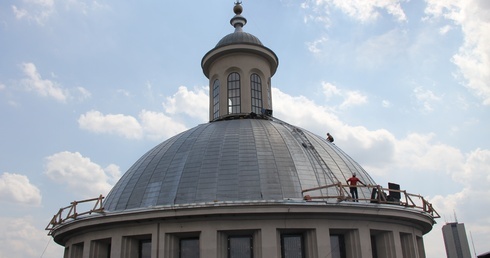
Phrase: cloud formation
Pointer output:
(80, 175)
(16, 188)
(348, 98)
(22, 237)
(40, 11)
(363, 11)
(194, 103)
(190, 103)
(118, 124)
(151, 125)
(47, 88)
(473, 57)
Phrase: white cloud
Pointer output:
(152, 125)
(16, 188)
(2, 86)
(473, 57)
(353, 98)
(426, 98)
(444, 30)
(20, 237)
(122, 125)
(471, 202)
(316, 46)
(330, 90)
(158, 126)
(386, 103)
(194, 103)
(382, 49)
(349, 98)
(34, 82)
(35, 10)
(83, 93)
(80, 175)
(361, 10)
(40, 11)
(418, 152)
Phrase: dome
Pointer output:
(233, 160)
(239, 37)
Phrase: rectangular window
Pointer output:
(337, 245)
(382, 244)
(216, 99)
(408, 246)
(189, 248)
(100, 248)
(374, 247)
(292, 246)
(420, 247)
(256, 86)
(233, 85)
(77, 250)
(240, 246)
(144, 250)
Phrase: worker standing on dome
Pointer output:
(329, 137)
(353, 187)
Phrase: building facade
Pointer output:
(455, 240)
(246, 184)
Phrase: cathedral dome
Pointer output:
(239, 160)
(245, 183)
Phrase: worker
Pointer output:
(329, 137)
(353, 186)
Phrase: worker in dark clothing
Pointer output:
(329, 137)
(353, 186)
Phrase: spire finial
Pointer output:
(238, 21)
(237, 9)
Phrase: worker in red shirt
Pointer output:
(353, 186)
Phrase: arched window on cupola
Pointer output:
(216, 99)
(234, 93)
(256, 86)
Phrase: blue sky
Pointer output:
(87, 87)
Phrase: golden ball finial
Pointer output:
(237, 9)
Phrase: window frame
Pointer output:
(250, 238)
(256, 93)
(301, 235)
(216, 88)
(233, 90)
(189, 238)
(141, 244)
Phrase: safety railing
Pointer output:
(70, 212)
(378, 195)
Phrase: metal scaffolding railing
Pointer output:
(70, 212)
(378, 195)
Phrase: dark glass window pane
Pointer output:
(256, 86)
(374, 247)
(233, 85)
(292, 246)
(189, 248)
(240, 247)
(216, 99)
(145, 249)
(337, 244)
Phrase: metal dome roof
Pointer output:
(239, 37)
(233, 160)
